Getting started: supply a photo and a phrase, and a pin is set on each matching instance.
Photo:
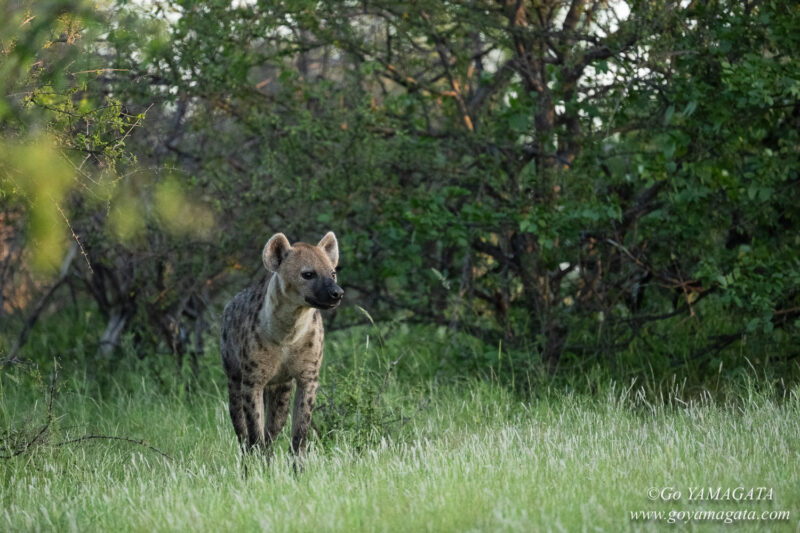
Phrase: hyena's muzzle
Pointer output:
(326, 293)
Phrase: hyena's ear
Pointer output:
(330, 246)
(275, 251)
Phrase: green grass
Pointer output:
(396, 451)
(475, 458)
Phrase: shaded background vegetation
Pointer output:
(561, 184)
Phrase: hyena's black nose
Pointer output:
(336, 293)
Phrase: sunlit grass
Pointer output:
(476, 458)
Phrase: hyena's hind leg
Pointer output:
(233, 369)
(236, 408)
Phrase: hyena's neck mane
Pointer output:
(280, 321)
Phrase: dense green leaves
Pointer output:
(567, 178)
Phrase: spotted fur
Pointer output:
(272, 337)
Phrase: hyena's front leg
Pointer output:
(279, 399)
(253, 399)
(304, 400)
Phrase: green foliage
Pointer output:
(573, 188)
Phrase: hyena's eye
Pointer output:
(333, 274)
(310, 274)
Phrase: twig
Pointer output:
(138, 121)
(389, 372)
(49, 419)
(405, 420)
(99, 70)
(712, 348)
(441, 49)
(633, 257)
(685, 292)
(140, 442)
(75, 236)
(23, 336)
(28, 445)
(670, 282)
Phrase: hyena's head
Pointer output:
(307, 273)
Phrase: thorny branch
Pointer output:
(39, 438)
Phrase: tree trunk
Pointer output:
(111, 336)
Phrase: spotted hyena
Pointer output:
(272, 336)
